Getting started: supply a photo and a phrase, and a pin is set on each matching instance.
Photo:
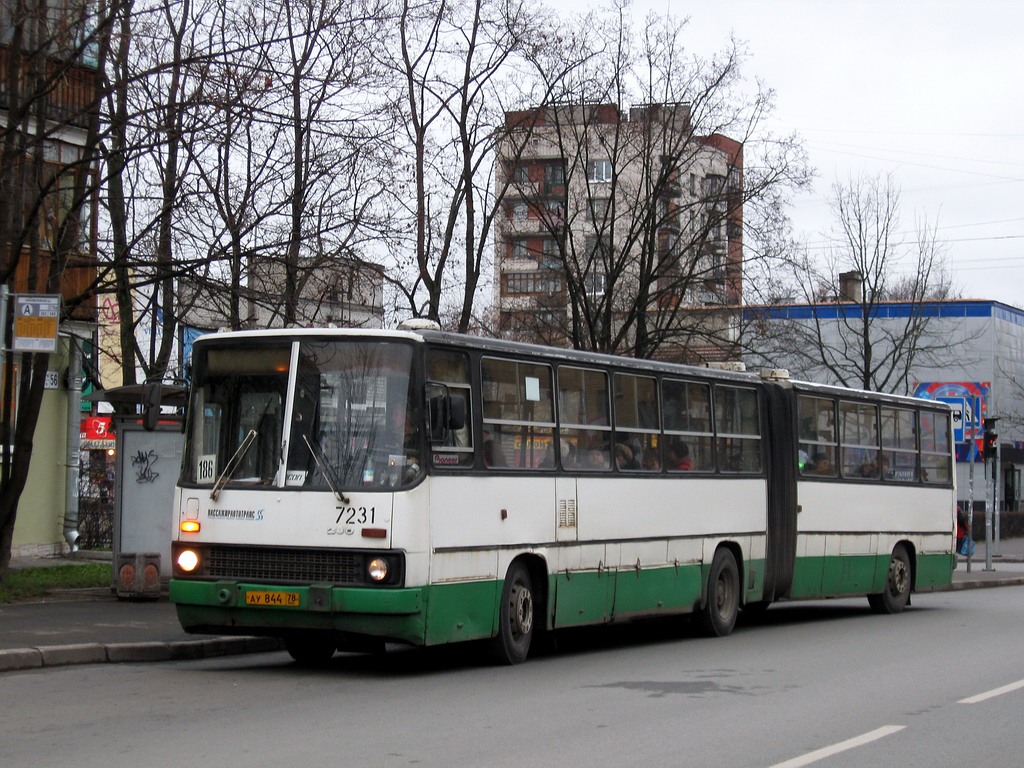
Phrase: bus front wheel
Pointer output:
(722, 605)
(897, 584)
(515, 617)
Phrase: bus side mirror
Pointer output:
(457, 412)
(446, 413)
(438, 412)
(151, 406)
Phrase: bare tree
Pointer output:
(847, 336)
(152, 92)
(645, 225)
(460, 66)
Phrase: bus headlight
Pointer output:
(188, 560)
(377, 569)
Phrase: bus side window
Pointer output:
(637, 422)
(818, 447)
(585, 433)
(688, 403)
(451, 443)
(899, 445)
(517, 400)
(859, 440)
(737, 429)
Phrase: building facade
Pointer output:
(345, 293)
(48, 170)
(616, 229)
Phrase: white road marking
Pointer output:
(993, 693)
(843, 746)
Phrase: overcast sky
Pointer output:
(930, 90)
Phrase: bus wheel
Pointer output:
(897, 584)
(515, 620)
(718, 616)
(311, 649)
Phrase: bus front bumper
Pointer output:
(235, 608)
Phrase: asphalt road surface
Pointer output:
(824, 683)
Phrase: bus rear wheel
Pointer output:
(718, 616)
(515, 617)
(897, 584)
(311, 649)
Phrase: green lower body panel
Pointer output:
(594, 597)
(934, 571)
(463, 611)
(863, 575)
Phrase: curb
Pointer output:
(1009, 581)
(98, 653)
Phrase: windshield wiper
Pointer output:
(326, 469)
(233, 463)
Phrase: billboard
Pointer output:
(969, 400)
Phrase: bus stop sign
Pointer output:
(36, 317)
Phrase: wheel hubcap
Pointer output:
(899, 577)
(522, 610)
(722, 594)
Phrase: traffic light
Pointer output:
(991, 442)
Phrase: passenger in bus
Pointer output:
(678, 458)
(884, 466)
(820, 465)
(869, 469)
(651, 461)
(548, 459)
(624, 457)
(594, 458)
(568, 451)
(494, 456)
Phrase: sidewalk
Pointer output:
(92, 626)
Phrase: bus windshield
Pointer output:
(353, 422)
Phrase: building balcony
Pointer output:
(71, 100)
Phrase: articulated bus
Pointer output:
(342, 489)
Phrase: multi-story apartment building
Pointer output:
(618, 230)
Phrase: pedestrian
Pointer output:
(961, 530)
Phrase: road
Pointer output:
(825, 683)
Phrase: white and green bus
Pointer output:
(345, 488)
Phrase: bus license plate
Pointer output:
(274, 599)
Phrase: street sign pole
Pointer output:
(991, 456)
(972, 454)
(995, 500)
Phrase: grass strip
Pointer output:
(28, 583)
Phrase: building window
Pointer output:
(594, 284)
(520, 212)
(533, 282)
(550, 256)
(599, 171)
(598, 249)
(714, 186)
(521, 174)
(554, 174)
(598, 208)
